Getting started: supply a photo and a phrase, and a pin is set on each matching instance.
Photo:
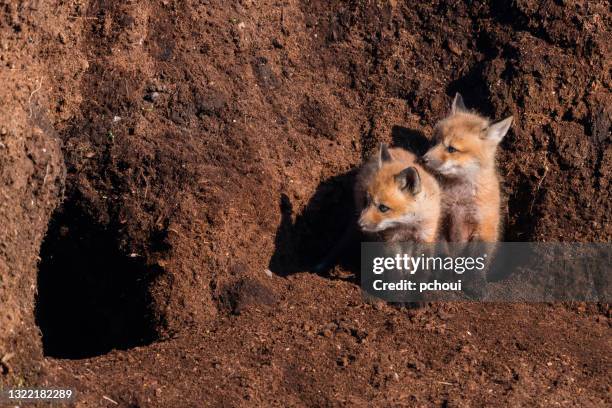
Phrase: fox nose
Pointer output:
(361, 223)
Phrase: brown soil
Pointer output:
(206, 144)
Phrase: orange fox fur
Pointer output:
(396, 198)
(464, 158)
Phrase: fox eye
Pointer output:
(383, 208)
(451, 149)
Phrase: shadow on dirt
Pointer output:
(302, 244)
(91, 298)
(473, 88)
(412, 140)
(323, 235)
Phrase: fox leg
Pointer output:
(458, 229)
(488, 230)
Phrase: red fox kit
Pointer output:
(396, 198)
(397, 201)
(464, 158)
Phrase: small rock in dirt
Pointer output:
(210, 103)
(601, 125)
(454, 48)
(266, 78)
(276, 43)
(246, 295)
(416, 365)
(328, 330)
(343, 361)
(5, 368)
(3, 131)
(151, 96)
(359, 334)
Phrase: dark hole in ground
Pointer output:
(91, 297)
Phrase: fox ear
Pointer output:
(384, 155)
(409, 180)
(497, 131)
(458, 105)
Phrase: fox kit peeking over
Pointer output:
(464, 158)
(397, 200)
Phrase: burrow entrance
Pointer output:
(91, 297)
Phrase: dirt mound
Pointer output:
(31, 185)
(209, 151)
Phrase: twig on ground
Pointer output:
(40, 81)
(535, 194)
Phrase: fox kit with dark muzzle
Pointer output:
(464, 159)
(396, 198)
(396, 201)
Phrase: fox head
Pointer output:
(392, 196)
(465, 142)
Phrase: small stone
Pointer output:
(328, 330)
(3, 131)
(151, 97)
(454, 48)
(276, 43)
